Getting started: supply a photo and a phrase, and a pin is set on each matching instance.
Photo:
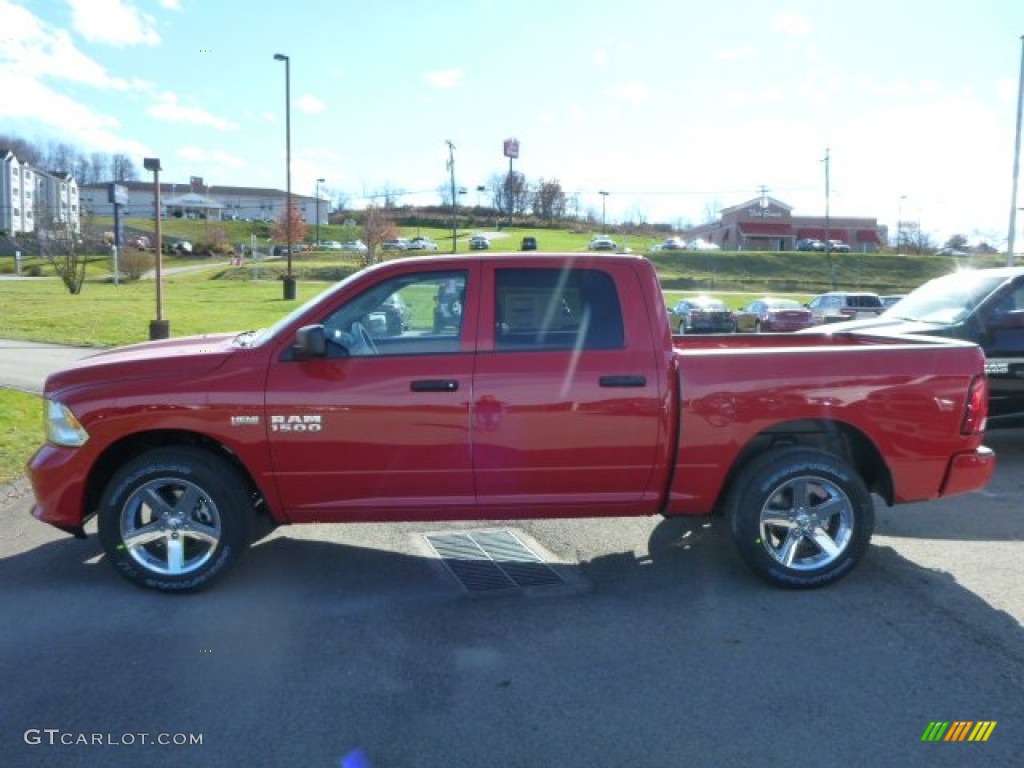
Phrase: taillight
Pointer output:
(976, 410)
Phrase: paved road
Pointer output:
(26, 364)
(663, 651)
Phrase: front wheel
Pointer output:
(174, 519)
(800, 517)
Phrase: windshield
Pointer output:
(263, 335)
(946, 300)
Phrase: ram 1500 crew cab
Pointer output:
(516, 386)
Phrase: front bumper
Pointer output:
(58, 476)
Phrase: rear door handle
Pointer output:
(434, 385)
(623, 381)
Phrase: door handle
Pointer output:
(625, 380)
(434, 385)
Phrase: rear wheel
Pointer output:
(800, 517)
(174, 519)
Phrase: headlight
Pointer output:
(62, 428)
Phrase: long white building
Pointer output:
(198, 200)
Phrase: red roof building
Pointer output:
(767, 224)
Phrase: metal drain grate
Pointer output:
(488, 560)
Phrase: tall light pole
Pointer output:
(455, 200)
(604, 225)
(828, 222)
(289, 278)
(318, 183)
(1011, 235)
(159, 328)
(899, 226)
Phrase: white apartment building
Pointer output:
(33, 200)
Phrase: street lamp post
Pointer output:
(318, 183)
(899, 227)
(604, 225)
(289, 278)
(159, 328)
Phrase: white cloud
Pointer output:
(171, 5)
(444, 78)
(735, 54)
(170, 109)
(192, 153)
(310, 104)
(636, 94)
(226, 158)
(114, 22)
(32, 49)
(215, 159)
(791, 24)
(31, 99)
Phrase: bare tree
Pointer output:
(549, 200)
(83, 170)
(914, 239)
(341, 201)
(379, 227)
(510, 192)
(712, 211)
(122, 168)
(444, 191)
(60, 157)
(100, 166)
(25, 151)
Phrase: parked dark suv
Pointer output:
(528, 244)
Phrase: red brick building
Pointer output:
(766, 224)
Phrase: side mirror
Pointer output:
(310, 341)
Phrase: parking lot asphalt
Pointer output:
(328, 645)
(352, 645)
(25, 365)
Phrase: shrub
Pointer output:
(134, 264)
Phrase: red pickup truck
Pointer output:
(497, 387)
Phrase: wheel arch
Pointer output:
(831, 436)
(130, 446)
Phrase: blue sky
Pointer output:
(671, 107)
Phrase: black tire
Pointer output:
(174, 519)
(800, 517)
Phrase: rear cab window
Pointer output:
(539, 309)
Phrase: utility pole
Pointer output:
(828, 231)
(1011, 235)
(451, 171)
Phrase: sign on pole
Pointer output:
(512, 148)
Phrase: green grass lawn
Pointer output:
(21, 431)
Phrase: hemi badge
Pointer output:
(242, 421)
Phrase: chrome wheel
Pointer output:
(170, 526)
(806, 523)
(175, 518)
(801, 517)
